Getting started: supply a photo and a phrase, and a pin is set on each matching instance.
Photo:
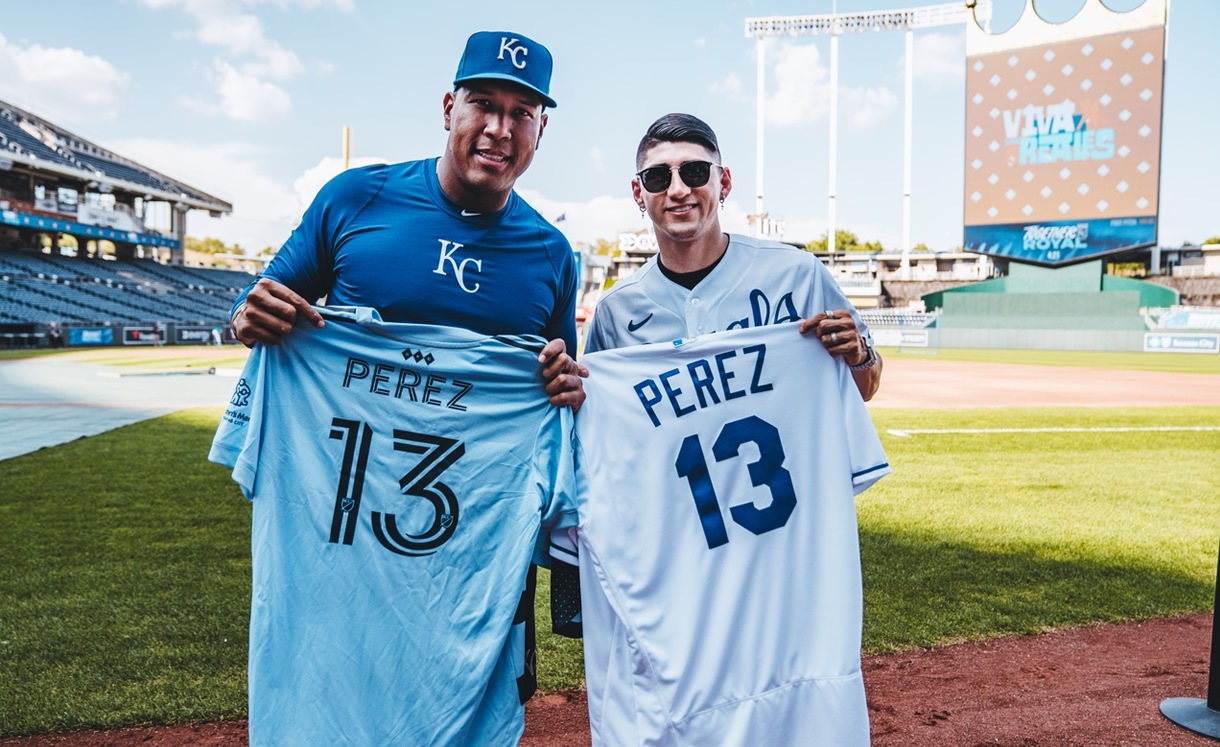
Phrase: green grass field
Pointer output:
(1164, 362)
(125, 594)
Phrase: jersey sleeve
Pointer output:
(305, 263)
(554, 477)
(562, 550)
(562, 323)
(868, 461)
(596, 340)
(238, 439)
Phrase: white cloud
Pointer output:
(62, 84)
(865, 107)
(346, 6)
(246, 98)
(243, 97)
(242, 78)
(701, 42)
(598, 158)
(307, 185)
(939, 57)
(600, 218)
(730, 86)
(265, 209)
(802, 92)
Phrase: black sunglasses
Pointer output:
(694, 174)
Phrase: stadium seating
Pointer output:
(41, 288)
(890, 318)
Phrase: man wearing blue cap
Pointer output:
(397, 237)
(442, 241)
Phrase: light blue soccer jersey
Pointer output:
(399, 475)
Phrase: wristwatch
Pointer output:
(869, 361)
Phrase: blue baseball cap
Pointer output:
(503, 55)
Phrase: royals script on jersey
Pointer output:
(719, 557)
(398, 475)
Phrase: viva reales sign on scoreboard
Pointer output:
(1063, 135)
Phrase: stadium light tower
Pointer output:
(832, 25)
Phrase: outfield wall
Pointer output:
(1108, 340)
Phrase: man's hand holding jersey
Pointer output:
(269, 312)
(562, 375)
(837, 330)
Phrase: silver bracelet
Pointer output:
(869, 361)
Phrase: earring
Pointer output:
(642, 211)
(722, 203)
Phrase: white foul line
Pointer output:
(908, 432)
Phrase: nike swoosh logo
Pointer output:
(468, 214)
(634, 325)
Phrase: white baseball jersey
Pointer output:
(756, 283)
(719, 556)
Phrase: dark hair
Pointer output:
(677, 128)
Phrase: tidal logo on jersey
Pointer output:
(710, 382)
(633, 325)
(506, 45)
(432, 389)
(449, 250)
(241, 394)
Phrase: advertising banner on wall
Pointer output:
(91, 336)
(1063, 136)
(143, 336)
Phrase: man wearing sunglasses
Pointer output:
(703, 280)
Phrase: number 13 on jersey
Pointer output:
(768, 471)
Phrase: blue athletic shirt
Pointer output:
(387, 237)
(399, 475)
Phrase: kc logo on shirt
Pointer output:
(449, 251)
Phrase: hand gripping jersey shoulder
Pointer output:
(719, 558)
(399, 475)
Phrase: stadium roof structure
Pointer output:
(30, 140)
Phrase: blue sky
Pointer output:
(247, 99)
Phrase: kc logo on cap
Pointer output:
(503, 55)
(506, 45)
